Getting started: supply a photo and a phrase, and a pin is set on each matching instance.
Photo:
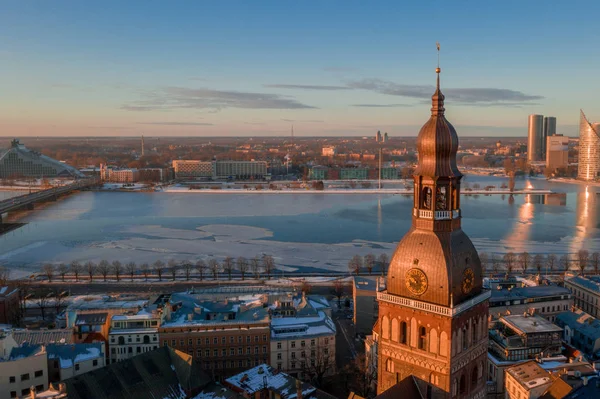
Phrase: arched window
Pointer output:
(444, 344)
(457, 342)
(463, 384)
(433, 341)
(121, 340)
(395, 332)
(422, 338)
(455, 388)
(441, 198)
(474, 332)
(403, 333)
(465, 338)
(146, 339)
(414, 333)
(474, 379)
(426, 203)
(385, 327)
(480, 370)
(389, 365)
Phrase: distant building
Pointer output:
(264, 381)
(302, 336)
(240, 170)
(385, 137)
(9, 305)
(378, 137)
(543, 300)
(549, 130)
(527, 381)
(329, 151)
(589, 150)
(535, 138)
(133, 334)
(155, 175)
(19, 161)
(192, 169)
(354, 174)
(366, 309)
(580, 330)
(130, 175)
(586, 293)
(318, 173)
(557, 153)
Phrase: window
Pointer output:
(264, 337)
(474, 377)
(264, 349)
(389, 365)
(302, 354)
(13, 394)
(207, 353)
(232, 352)
(239, 340)
(207, 341)
(326, 351)
(95, 363)
(293, 344)
(293, 365)
(199, 352)
(463, 384)
(231, 339)
(248, 338)
(224, 352)
(77, 366)
(25, 391)
(422, 338)
(248, 350)
(293, 355)
(256, 350)
(279, 365)
(39, 373)
(215, 352)
(278, 345)
(181, 342)
(312, 353)
(240, 351)
(326, 341)
(302, 344)
(312, 342)
(403, 332)
(173, 343)
(12, 379)
(25, 377)
(279, 356)
(215, 340)
(223, 340)
(256, 338)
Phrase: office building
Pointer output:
(527, 381)
(9, 305)
(378, 136)
(557, 153)
(240, 170)
(366, 310)
(226, 337)
(302, 336)
(432, 322)
(589, 150)
(543, 300)
(19, 161)
(586, 293)
(549, 130)
(193, 169)
(126, 175)
(580, 330)
(535, 138)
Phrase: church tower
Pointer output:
(432, 322)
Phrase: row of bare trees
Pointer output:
(242, 266)
(369, 261)
(583, 260)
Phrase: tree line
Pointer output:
(582, 260)
(369, 262)
(255, 267)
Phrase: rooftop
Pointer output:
(302, 327)
(585, 324)
(365, 283)
(90, 302)
(592, 283)
(26, 351)
(529, 324)
(43, 337)
(530, 374)
(68, 355)
(539, 291)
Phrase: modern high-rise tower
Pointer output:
(549, 130)
(432, 322)
(535, 137)
(589, 149)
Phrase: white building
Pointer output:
(131, 335)
(21, 368)
(193, 169)
(329, 151)
(119, 175)
(66, 361)
(302, 336)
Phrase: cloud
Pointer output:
(381, 105)
(176, 123)
(308, 87)
(170, 98)
(304, 120)
(470, 96)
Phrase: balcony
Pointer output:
(437, 215)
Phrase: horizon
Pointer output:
(333, 69)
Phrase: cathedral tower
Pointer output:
(432, 321)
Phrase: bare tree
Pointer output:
(551, 261)
(355, 264)
(90, 269)
(172, 267)
(338, 290)
(524, 260)
(62, 270)
(255, 266)
(145, 269)
(117, 268)
(48, 270)
(75, 270)
(242, 265)
(361, 377)
(565, 261)
(509, 261)
(42, 302)
(384, 261)
(317, 365)
(228, 266)
(187, 269)
(583, 257)
(214, 267)
(59, 301)
(159, 268)
(596, 261)
(130, 268)
(268, 265)
(200, 268)
(369, 262)
(538, 262)
(483, 258)
(4, 275)
(104, 268)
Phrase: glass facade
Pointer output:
(18, 161)
(589, 150)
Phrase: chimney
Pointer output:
(62, 387)
(32, 392)
(298, 389)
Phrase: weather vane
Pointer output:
(438, 51)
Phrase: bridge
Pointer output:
(27, 201)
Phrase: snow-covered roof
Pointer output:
(43, 337)
(69, 355)
(302, 327)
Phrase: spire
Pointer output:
(437, 100)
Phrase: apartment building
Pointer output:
(586, 293)
(543, 300)
(133, 334)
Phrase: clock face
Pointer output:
(468, 280)
(416, 281)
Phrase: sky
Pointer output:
(329, 68)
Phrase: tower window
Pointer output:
(422, 338)
(415, 262)
(474, 377)
(441, 198)
(463, 384)
(389, 365)
(465, 338)
(426, 203)
(403, 333)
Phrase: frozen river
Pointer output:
(315, 232)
